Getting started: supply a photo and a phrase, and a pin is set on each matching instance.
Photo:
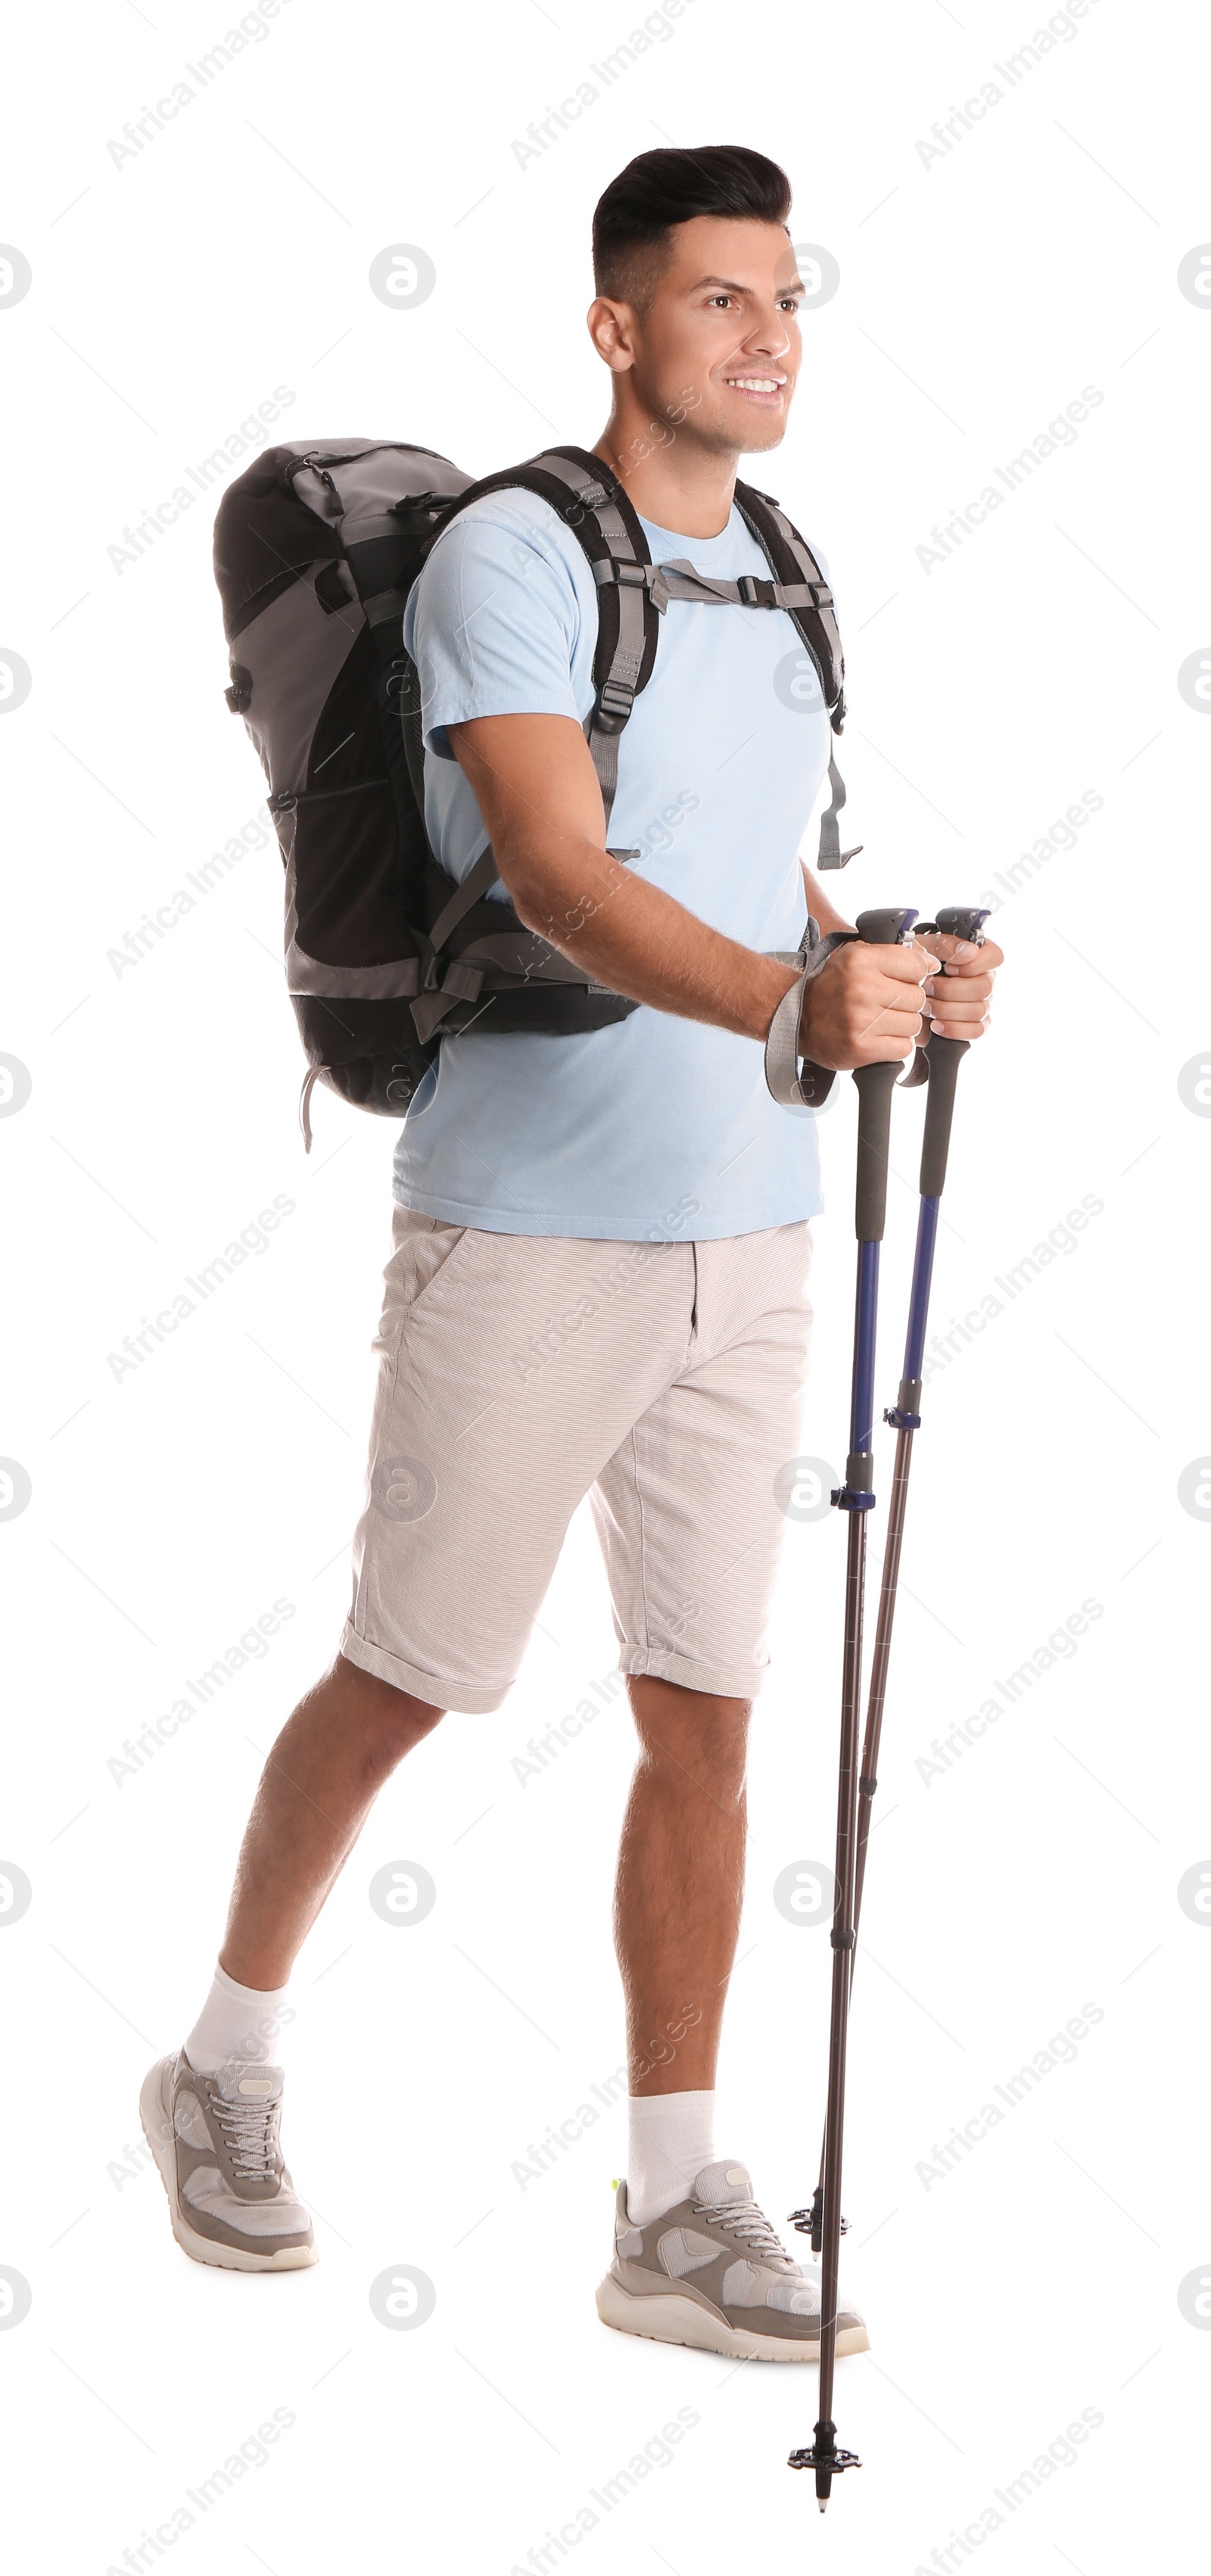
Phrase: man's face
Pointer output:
(719, 344)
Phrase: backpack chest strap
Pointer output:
(679, 579)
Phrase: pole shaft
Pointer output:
(843, 1926)
(880, 1660)
(922, 1281)
(866, 1313)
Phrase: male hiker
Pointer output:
(601, 1244)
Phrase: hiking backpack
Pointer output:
(316, 549)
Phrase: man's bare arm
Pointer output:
(537, 790)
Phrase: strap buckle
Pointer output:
(756, 593)
(418, 510)
(614, 705)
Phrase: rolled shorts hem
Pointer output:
(723, 1681)
(463, 1699)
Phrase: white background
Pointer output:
(980, 292)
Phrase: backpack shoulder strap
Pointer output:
(805, 592)
(588, 497)
(808, 599)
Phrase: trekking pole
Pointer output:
(875, 1084)
(942, 1061)
(942, 1065)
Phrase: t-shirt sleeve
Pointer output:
(492, 625)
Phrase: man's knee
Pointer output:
(695, 1734)
(390, 1716)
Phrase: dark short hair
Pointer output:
(633, 221)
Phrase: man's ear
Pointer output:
(611, 328)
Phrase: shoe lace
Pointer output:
(248, 2135)
(744, 2219)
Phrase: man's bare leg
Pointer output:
(211, 2110)
(321, 1779)
(680, 1864)
(680, 1881)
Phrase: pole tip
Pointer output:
(822, 2504)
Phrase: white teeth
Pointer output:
(757, 384)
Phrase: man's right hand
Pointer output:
(865, 1005)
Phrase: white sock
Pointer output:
(671, 2138)
(237, 2025)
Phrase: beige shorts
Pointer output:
(519, 1373)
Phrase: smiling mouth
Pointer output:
(759, 388)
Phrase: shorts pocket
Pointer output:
(434, 1252)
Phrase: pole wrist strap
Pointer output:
(793, 1080)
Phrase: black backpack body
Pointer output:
(316, 550)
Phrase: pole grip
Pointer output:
(887, 928)
(963, 921)
(875, 1083)
(957, 921)
(945, 1057)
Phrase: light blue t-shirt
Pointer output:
(655, 1127)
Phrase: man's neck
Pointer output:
(676, 485)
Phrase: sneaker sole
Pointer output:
(668, 2319)
(156, 2119)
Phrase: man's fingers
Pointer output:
(886, 1050)
(956, 1026)
(956, 1002)
(958, 996)
(901, 965)
(963, 987)
(892, 1034)
(901, 1016)
(963, 957)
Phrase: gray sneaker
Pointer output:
(712, 2273)
(215, 2140)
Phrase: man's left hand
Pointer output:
(959, 998)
